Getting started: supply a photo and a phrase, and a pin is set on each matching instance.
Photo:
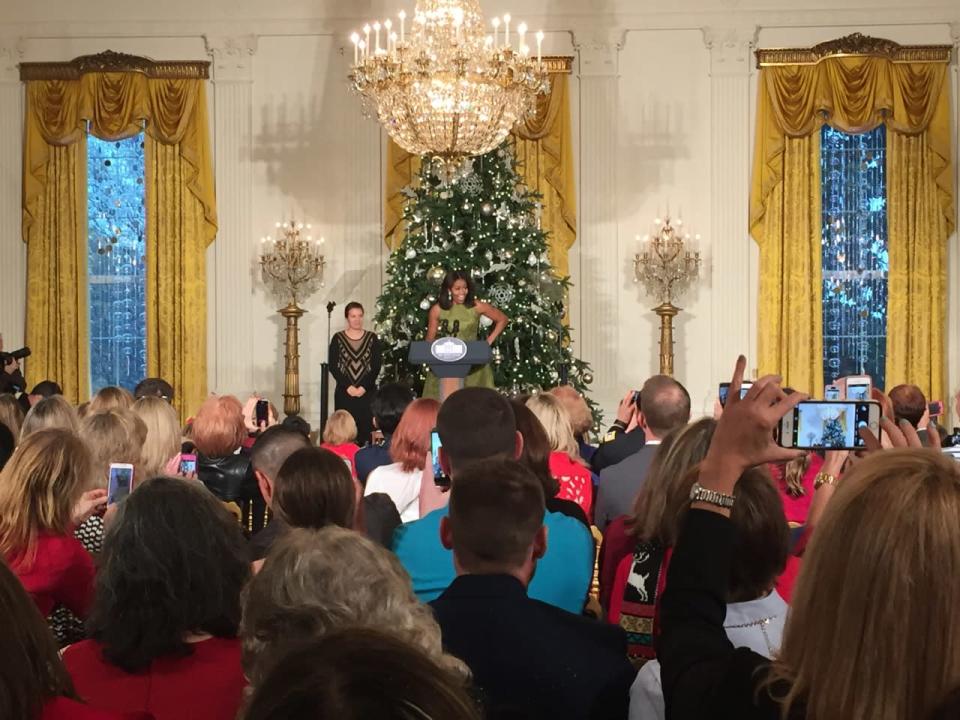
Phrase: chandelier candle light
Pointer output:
(292, 268)
(666, 268)
(447, 89)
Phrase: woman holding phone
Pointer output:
(355, 359)
(458, 314)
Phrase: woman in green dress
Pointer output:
(457, 314)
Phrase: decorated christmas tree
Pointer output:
(833, 435)
(485, 221)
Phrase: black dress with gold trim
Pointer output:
(356, 363)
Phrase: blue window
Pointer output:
(854, 253)
(116, 245)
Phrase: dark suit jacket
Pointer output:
(618, 450)
(619, 485)
(529, 659)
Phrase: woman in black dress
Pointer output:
(355, 364)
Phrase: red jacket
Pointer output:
(205, 685)
(61, 573)
(61, 708)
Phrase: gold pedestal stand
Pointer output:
(666, 312)
(291, 359)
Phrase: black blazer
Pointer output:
(617, 450)
(533, 660)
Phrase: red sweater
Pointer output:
(61, 573)
(348, 451)
(61, 708)
(575, 481)
(205, 685)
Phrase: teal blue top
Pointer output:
(562, 578)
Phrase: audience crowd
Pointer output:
(480, 558)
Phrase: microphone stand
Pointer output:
(325, 373)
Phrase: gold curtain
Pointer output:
(544, 147)
(853, 94)
(57, 271)
(181, 219)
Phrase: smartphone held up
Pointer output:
(120, 482)
(724, 392)
(440, 479)
(829, 424)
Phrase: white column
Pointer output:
(597, 320)
(230, 344)
(953, 258)
(730, 163)
(13, 252)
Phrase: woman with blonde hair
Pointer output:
(872, 631)
(409, 447)
(339, 436)
(110, 398)
(11, 414)
(160, 454)
(315, 582)
(566, 465)
(581, 418)
(42, 498)
(51, 412)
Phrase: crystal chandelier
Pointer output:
(447, 89)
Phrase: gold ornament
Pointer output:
(436, 275)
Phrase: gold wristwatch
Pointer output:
(822, 479)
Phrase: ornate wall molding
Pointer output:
(110, 61)
(232, 57)
(599, 52)
(730, 48)
(11, 51)
(559, 64)
(855, 45)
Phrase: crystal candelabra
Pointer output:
(443, 87)
(666, 268)
(292, 268)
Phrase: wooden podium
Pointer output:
(450, 359)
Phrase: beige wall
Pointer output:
(663, 105)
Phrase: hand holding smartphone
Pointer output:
(825, 425)
(120, 482)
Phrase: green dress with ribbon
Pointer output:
(461, 322)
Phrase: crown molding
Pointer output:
(855, 45)
(110, 61)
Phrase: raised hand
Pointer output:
(744, 435)
(627, 409)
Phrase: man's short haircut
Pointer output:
(476, 424)
(496, 509)
(388, 405)
(46, 388)
(153, 387)
(665, 404)
(909, 403)
(273, 447)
